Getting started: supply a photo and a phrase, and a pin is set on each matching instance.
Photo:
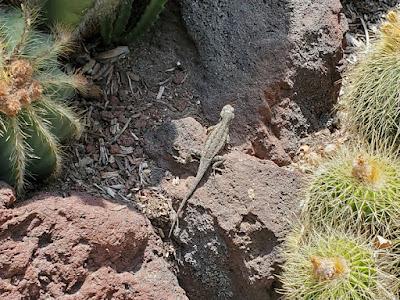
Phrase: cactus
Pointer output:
(67, 12)
(118, 21)
(357, 188)
(372, 98)
(147, 19)
(120, 27)
(34, 119)
(332, 265)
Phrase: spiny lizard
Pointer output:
(216, 140)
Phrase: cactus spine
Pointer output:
(34, 119)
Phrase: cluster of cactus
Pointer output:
(372, 98)
(34, 118)
(346, 248)
(349, 246)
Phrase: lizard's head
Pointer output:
(227, 112)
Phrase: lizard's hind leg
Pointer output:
(218, 161)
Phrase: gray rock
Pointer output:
(228, 236)
(275, 60)
(229, 233)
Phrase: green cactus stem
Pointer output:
(147, 19)
(118, 21)
(68, 12)
(122, 27)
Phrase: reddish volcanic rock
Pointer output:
(7, 195)
(81, 248)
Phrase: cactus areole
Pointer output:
(17, 87)
(329, 268)
(34, 116)
(366, 171)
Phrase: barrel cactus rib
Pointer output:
(45, 50)
(14, 150)
(62, 121)
(34, 115)
(11, 29)
(44, 144)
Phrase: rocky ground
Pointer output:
(278, 65)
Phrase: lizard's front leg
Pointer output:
(195, 153)
(187, 158)
(177, 156)
(209, 129)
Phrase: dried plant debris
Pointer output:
(109, 159)
(317, 147)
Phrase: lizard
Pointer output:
(215, 142)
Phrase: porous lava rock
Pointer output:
(7, 195)
(228, 238)
(81, 248)
(229, 235)
(277, 62)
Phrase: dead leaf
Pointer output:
(382, 243)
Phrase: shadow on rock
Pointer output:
(276, 61)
